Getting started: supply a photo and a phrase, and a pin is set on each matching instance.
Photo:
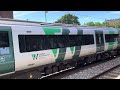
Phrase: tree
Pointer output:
(90, 24)
(104, 24)
(97, 24)
(68, 19)
(117, 25)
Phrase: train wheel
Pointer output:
(87, 60)
(103, 57)
(98, 57)
(118, 52)
(61, 67)
(55, 69)
(80, 63)
(48, 71)
(73, 64)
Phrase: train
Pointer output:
(29, 49)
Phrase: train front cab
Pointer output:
(7, 63)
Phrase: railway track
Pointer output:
(113, 73)
(88, 71)
(91, 71)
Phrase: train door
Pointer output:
(119, 38)
(7, 64)
(99, 40)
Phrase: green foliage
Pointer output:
(104, 24)
(117, 25)
(68, 19)
(97, 24)
(90, 24)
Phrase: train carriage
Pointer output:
(30, 46)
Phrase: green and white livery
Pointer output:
(13, 59)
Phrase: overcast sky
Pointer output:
(52, 16)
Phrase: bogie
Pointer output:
(48, 70)
(55, 69)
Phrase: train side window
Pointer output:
(44, 42)
(4, 43)
(111, 37)
(102, 39)
(61, 41)
(116, 36)
(22, 45)
(53, 41)
(28, 43)
(97, 39)
(33, 42)
(87, 39)
(4, 39)
(73, 40)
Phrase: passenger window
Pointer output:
(87, 39)
(111, 37)
(28, 43)
(4, 43)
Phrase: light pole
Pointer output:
(45, 16)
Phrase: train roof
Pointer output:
(8, 21)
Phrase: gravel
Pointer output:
(90, 72)
(93, 71)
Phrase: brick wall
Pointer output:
(6, 14)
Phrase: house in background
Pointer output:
(112, 22)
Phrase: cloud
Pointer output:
(114, 12)
(23, 13)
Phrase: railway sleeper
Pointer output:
(35, 74)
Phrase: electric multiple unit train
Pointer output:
(29, 48)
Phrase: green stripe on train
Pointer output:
(53, 31)
(62, 51)
(55, 52)
(110, 46)
(77, 48)
(72, 49)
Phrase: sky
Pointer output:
(52, 16)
